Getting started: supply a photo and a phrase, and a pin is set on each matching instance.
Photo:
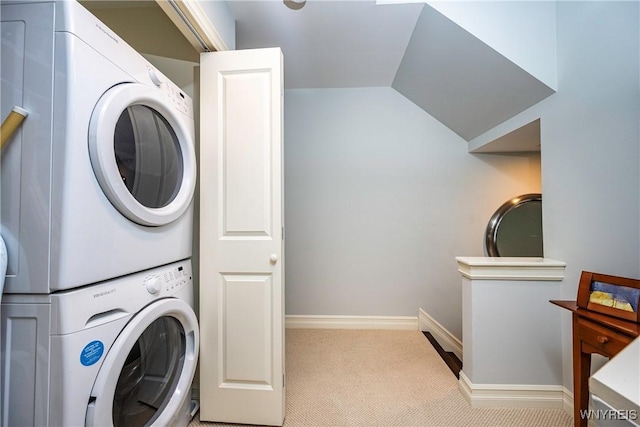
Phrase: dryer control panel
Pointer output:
(181, 101)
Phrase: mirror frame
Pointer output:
(491, 232)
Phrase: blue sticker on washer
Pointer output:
(91, 353)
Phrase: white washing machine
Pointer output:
(99, 180)
(120, 353)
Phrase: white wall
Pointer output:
(511, 333)
(591, 147)
(380, 199)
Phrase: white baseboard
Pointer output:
(295, 321)
(512, 395)
(446, 339)
(567, 401)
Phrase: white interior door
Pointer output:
(241, 237)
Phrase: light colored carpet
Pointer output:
(382, 378)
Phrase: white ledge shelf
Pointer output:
(510, 268)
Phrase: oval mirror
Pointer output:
(515, 229)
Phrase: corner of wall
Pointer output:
(446, 339)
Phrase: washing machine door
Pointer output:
(142, 153)
(146, 376)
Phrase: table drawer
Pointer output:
(608, 343)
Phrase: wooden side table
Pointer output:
(593, 333)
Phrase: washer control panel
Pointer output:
(167, 281)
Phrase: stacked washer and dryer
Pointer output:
(98, 326)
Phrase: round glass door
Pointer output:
(145, 378)
(150, 374)
(142, 154)
(148, 156)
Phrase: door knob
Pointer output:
(273, 258)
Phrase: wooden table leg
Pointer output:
(581, 373)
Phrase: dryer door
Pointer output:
(146, 376)
(142, 153)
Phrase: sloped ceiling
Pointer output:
(524, 139)
(329, 44)
(460, 80)
(437, 64)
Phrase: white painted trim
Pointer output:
(511, 268)
(511, 395)
(446, 339)
(295, 321)
(567, 401)
(194, 24)
(202, 23)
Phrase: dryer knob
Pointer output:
(155, 77)
(153, 285)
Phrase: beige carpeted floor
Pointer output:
(382, 378)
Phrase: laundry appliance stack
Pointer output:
(98, 326)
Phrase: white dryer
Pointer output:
(120, 353)
(99, 180)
